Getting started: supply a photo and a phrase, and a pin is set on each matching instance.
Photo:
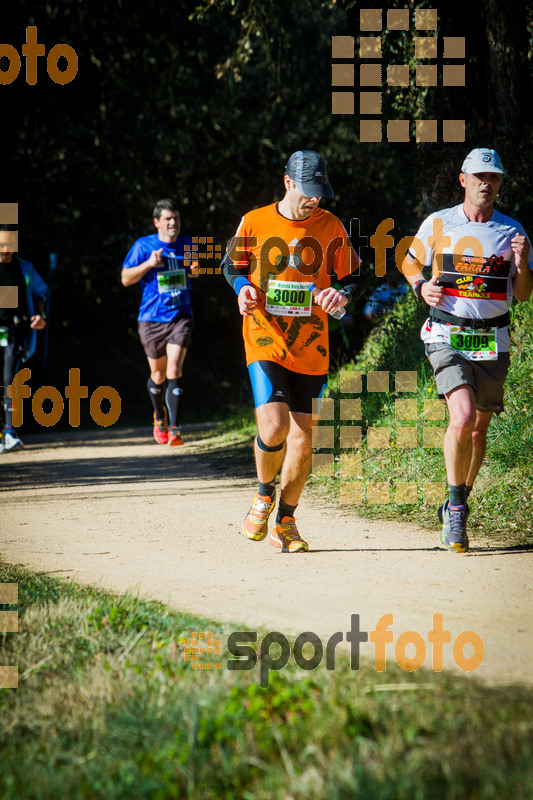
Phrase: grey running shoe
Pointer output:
(440, 512)
(453, 536)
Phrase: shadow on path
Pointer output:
(153, 463)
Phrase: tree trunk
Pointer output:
(506, 61)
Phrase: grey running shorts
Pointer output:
(485, 377)
(155, 336)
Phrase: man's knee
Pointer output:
(462, 423)
(272, 435)
(272, 424)
(174, 368)
(462, 411)
(158, 376)
(269, 448)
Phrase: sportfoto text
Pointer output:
(246, 657)
(75, 392)
(381, 241)
(31, 51)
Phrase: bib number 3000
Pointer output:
(289, 298)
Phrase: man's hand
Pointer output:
(523, 280)
(330, 299)
(431, 292)
(249, 297)
(156, 258)
(520, 246)
(132, 275)
(37, 322)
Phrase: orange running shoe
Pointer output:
(286, 536)
(160, 430)
(174, 436)
(255, 525)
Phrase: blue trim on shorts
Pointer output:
(261, 384)
(273, 383)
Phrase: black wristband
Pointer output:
(417, 288)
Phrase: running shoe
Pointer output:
(161, 430)
(174, 436)
(255, 525)
(441, 510)
(286, 536)
(453, 536)
(12, 440)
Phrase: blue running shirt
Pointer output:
(156, 306)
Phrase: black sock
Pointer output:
(284, 510)
(468, 490)
(457, 495)
(267, 489)
(173, 398)
(156, 390)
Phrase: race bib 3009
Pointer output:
(476, 345)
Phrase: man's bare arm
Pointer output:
(132, 275)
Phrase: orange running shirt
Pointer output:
(269, 246)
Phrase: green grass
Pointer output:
(108, 708)
(502, 501)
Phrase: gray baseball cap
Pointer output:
(482, 160)
(308, 170)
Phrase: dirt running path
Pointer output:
(112, 508)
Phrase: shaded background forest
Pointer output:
(205, 103)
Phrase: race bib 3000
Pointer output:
(292, 299)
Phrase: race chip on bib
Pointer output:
(289, 298)
(476, 345)
(171, 281)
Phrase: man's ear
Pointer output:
(462, 179)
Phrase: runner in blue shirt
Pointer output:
(165, 316)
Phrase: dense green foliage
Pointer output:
(108, 708)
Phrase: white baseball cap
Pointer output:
(482, 160)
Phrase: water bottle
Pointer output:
(338, 313)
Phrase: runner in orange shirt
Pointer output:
(277, 257)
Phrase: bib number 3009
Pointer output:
(475, 345)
